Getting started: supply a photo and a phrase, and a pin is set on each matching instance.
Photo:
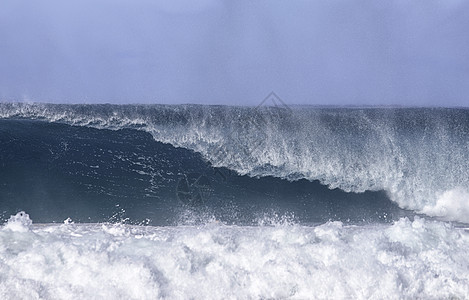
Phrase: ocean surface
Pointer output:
(211, 202)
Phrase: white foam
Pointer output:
(419, 259)
(19, 222)
(452, 204)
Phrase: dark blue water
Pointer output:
(57, 171)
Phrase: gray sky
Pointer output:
(235, 52)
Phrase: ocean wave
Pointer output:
(417, 155)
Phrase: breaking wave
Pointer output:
(419, 156)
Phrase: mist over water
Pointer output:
(225, 52)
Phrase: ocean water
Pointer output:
(211, 202)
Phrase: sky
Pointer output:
(319, 52)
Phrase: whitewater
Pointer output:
(417, 259)
(214, 202)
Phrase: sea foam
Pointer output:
(408, 259)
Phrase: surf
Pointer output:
(406, 259)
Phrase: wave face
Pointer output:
(418, 156)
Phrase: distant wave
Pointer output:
(419, 156)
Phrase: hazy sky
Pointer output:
(235, 52)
